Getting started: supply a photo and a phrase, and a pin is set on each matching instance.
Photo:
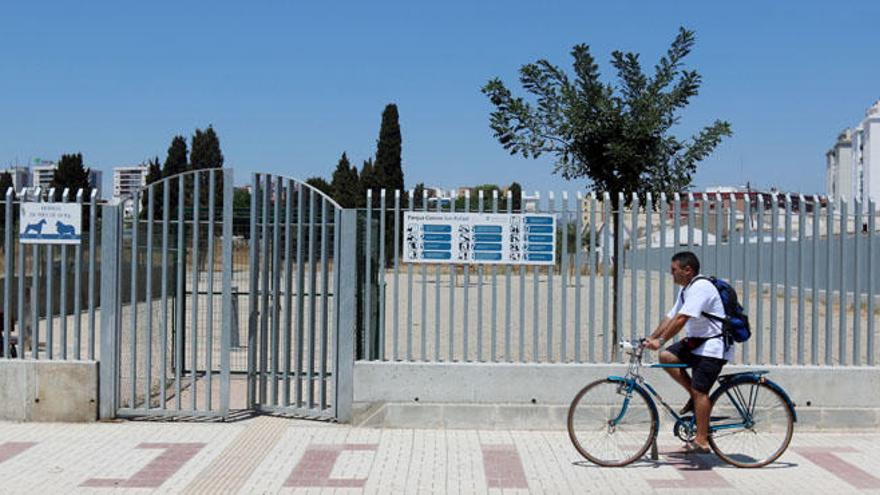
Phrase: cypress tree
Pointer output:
(175, 163)
(154, 174)
(344, 184)
(71, 174)
(388, 169)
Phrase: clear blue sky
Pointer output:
(289, 86)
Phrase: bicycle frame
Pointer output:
(634, 379)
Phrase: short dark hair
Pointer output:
(687, 259)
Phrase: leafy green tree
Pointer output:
(516, 196)
(320, 184)
(175, 163)
(154, 174)
(418, 192)
(344, 184)
(71, 174)
(241, 200)
(369, 181)
(206, 154)
(388, 169)
(616, 136)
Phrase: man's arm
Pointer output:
(666, 330)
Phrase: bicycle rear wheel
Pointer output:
(754, 426)
(610, 426)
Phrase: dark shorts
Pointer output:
(706, 369)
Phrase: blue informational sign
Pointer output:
(472, 238)
(50, 223)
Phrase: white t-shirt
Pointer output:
(692, 301)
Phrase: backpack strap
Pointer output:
(705, 314)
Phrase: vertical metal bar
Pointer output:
(300, 287)
(163, 352)
(649, 227)
(437, 296)
(77, 284)
(337, 305)
(814, 286)
(148, 362)
(275, 335)
(467, 282)
(802, 226)
(209, 329)
(746, 246)
(35, 294)
(110, 292)
(480, 291)
(7, 282)
(841, 330)
(312, 301)
(634, 281)
(535, 305)
(396, 315)
(21, 316)
(50, 276)
(179, 359)
(563, 318)
(381, 276)
(194, 331)
(663, 234)
(522, 302)
(93, 261)
(423, 323)
(325, 316)
(409, 291)
(719, 232)
(829, 236)
(253, 290)
(551, 207)
(774, 228)
(494, 290)
(507, 309)
(226, 332)
(857, 295)
(786, 308)
(619, 265)
(62, 294)
(368, 290)
(704, 227)
(450, 351)
(265, 261)
(872, 212)
(288, 290)
(135, 203)
(578, 263)
(731, 233)
(676, 235)
(345, 335)
(606, 247)
(594, 266)
(759, 289)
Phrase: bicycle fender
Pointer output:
(759, 379)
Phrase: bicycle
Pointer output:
(613, 421)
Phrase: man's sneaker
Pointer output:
(687, 408)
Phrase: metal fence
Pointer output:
(50, 300)
(805, 270)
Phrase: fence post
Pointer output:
(109, 307)
(345, 330)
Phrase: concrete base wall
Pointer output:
(42, 391)
(536, 396)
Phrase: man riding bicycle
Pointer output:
(704, 349)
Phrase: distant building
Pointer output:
(126, 182)
(42, 172)
(21, 177)
(852, 166)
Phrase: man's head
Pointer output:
(685, 266)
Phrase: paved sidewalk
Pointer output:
(274, 455)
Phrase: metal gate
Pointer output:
(172, 344)
(166, 329)
(294, 312)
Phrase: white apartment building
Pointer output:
(43, 173)
(853, 164)
(21, 177)
(128, 180)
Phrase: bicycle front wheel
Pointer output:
(611, 426)
(752, 424)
